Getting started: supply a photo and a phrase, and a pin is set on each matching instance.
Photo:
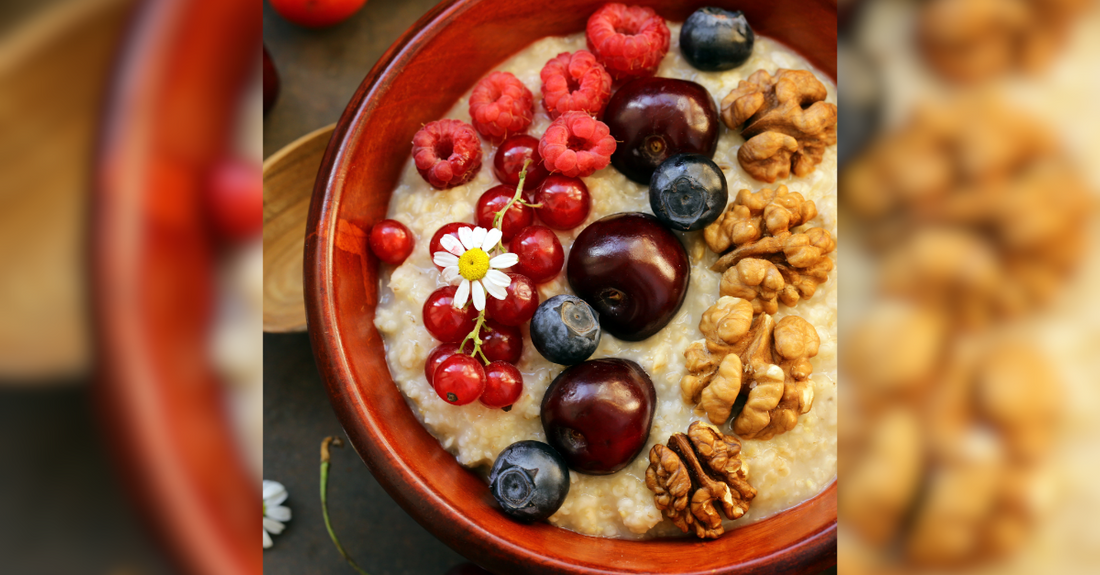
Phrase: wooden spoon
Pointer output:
(288, 185)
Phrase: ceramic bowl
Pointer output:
(416, 81)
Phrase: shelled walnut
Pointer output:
(785, 121)
(765, 261)
(768, 360)
(694, 472)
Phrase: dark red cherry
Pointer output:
(632, 270)
(598, 414)
(656, 118)
(508, 162)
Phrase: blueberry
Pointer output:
(687, 192)
(565, 329)
(713, 39)
(529, 480)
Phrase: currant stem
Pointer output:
(476, 336)
(498, 221)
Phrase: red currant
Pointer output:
(540, 253)
(436, 357)
(515, 219)
(447, 323)
(460, 379)
(448, 229)
(391, 241)
(501, 342)
(520, 305)
(508, 162)
(503, 385)
(565, 202)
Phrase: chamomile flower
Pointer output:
(467, 262)
(275, 513)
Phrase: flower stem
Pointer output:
(476, 337)
(498, 221)
(336, 442)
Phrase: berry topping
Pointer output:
(529, 480)
(494, 200)
(459, 380)
(503, 385)
(576, 145)
(629, 41)
(519, 306)
(565, 202)
(391, 241)
(565, 329)
(443, 320)
(688, 192)
(501, 106)
(539, 252)
(575, 82)
(447, 153)
(510, 158)
(714, 39)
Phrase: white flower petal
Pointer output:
(478, 237)
(450, 274)
(462, 294)
(271, 488)
(466, 236)
(276, 499)
(494, 290)
(451, 244)
(273, 526)
(497, 278)
(444, 259)
(479, 295)
(491, 238)
(278, 513)
(267, 540)
(504, 261)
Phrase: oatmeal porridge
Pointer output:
(785, 470)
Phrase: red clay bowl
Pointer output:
(415, 82)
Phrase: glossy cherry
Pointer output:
(520, 305)
(443, 320)
(508, 162)
(459, 380)
(503, 385)
(517, 217)
(391, 241)
(451, 229)
(598, 414)
(655, 118)
(632, 270)
(540, 253)
(564, 201)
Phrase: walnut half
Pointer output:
(785, 121)
(693, 474)
(769, 361)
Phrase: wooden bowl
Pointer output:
(169, 115)
(416, 81)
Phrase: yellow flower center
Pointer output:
(474, 264)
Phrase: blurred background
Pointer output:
(968, 191)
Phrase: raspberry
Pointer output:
(447, 153)
(575, 82)
(501, 106)
(576, 145)
(629, 41)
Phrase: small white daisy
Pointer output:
(275, 514)
(467, 259)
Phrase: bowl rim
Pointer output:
(816, 551)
